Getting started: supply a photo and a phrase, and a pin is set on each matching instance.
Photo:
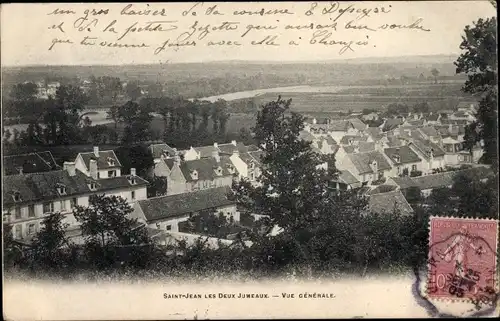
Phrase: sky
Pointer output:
(28, 30)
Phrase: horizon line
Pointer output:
(330, 60)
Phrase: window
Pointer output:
(98, 175)
(31, 211)
(157, 225)
(92, 186)
(169, 227)
(18, 231)
(132, 180)
(17, 197)
(48, 207)
(73, 202)
(63, 205)
(111, 161)
(413, 168)
(132, 194)
(111, 173)
(31, 229)
(61, 189)
(18, 212)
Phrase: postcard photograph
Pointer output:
(249, 160)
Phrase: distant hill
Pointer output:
(335, 72)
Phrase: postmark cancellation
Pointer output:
(462, 261)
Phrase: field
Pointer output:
(439, 96)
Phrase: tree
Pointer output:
(49, 242)
(135, 156)
(133, 90)
(422, 107)
(479, 63)
(157, 186)
(113, 114)
(137, 121)
(435, 74)
(24, 92)
(295, 195)
(106, 228)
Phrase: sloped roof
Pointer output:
(386, 203)
(339, 125)
(345, 139)
(382, 189)
(426, 146)
(366, 147)
(406, 155)
(446, 178)
(30, 163)
(346, 177)
(205, 168)
(430, 131)
(256, 155)
(329, 140)
(252, 148)
(357, 123)
(36, 187)
(205, 151)
(182, 204)
(403, 182)
(433, 117)
(392, 123)
(158, 149)
(105, 184)
(374, 132)
(362, 161)
(102, 160)
(228, 149)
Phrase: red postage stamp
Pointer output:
(462, 259)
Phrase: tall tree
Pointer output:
(137, 121)
(49, 241)
(294, 192)
(105, 225)
(479, 62)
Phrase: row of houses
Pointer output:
(197, 179)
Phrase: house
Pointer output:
(198, 174)
(161, 151)
(29, 163)
(468, 106)
(389, 202)
(98, 164)
(30, 197)
(391, 124)
(433, 118)
(454, 151)
(354, 139)
(429, 182)
(230, 148)
(375, 133)
(430, 133)
(403, 160)
(346, 181)
(336, 129)
(166, 212)
(366, 167)
(431, 154)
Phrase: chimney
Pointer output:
(356, 148)
(20, 170)
(215, 155)
(450, 128)
(93, 168)
(216, 145)
(431, 153)
(70, 168)
(314, 121)
(132, 171)
(96, 151)
(233, 142)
